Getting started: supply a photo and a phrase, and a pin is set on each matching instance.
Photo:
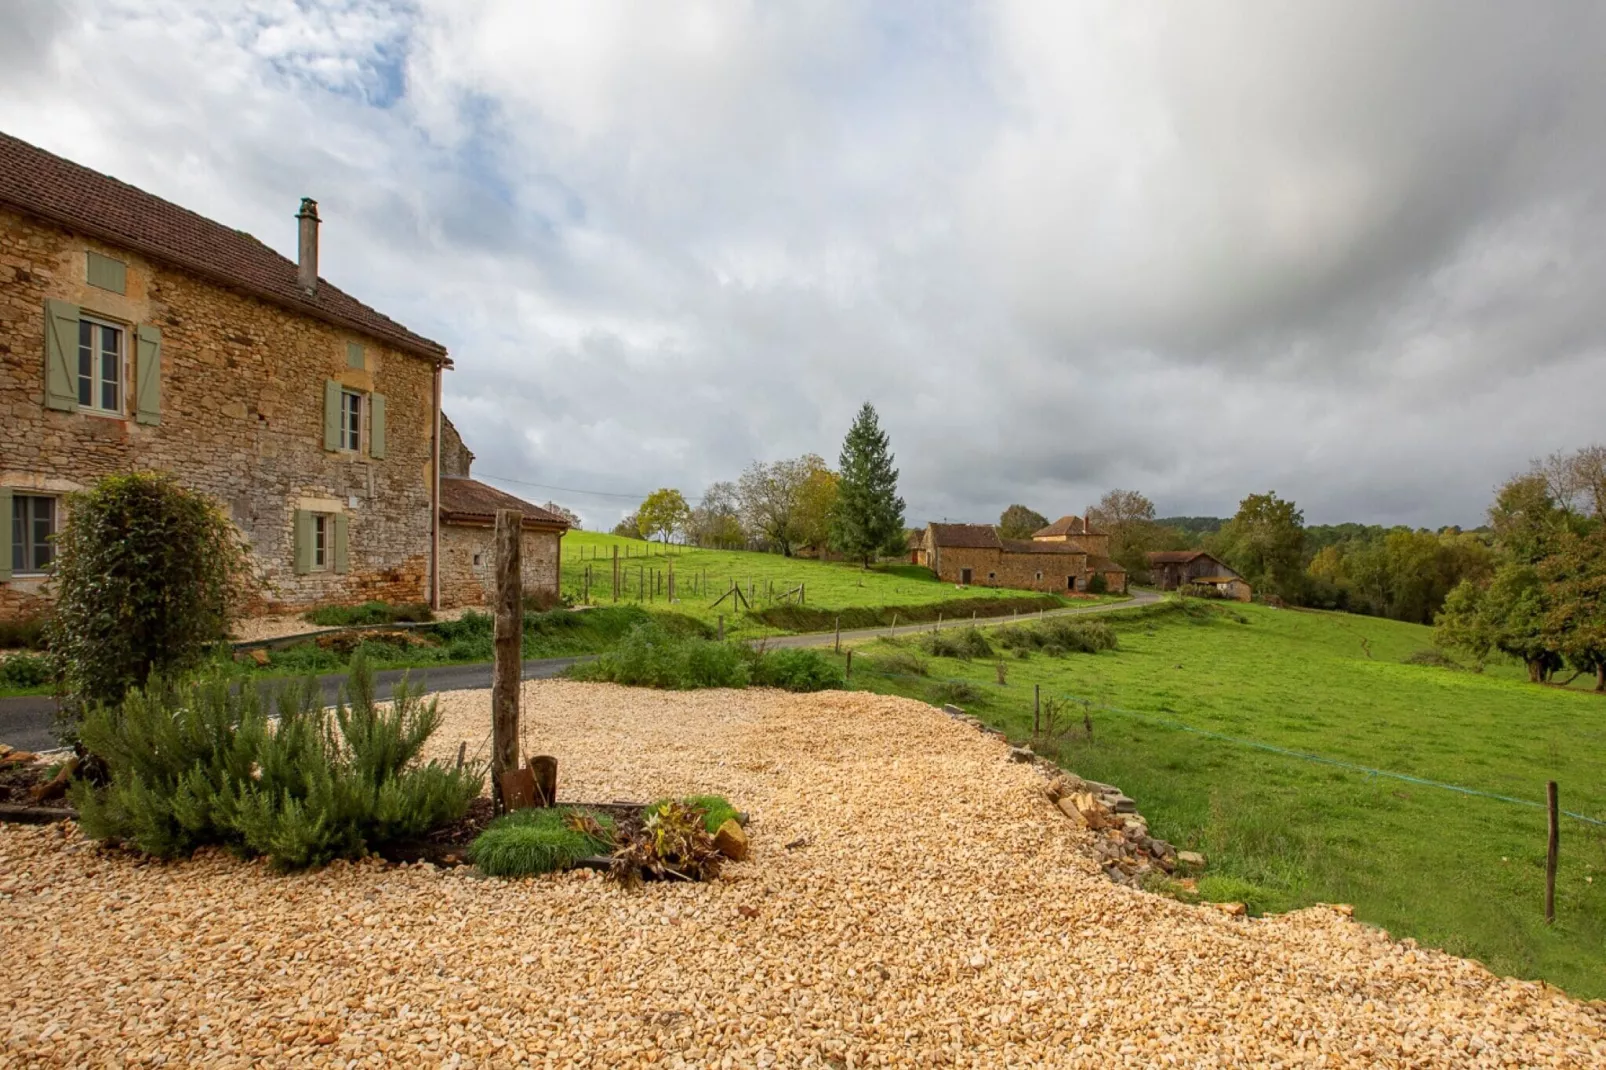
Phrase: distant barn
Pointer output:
(1170, 569)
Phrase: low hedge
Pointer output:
(811, 619)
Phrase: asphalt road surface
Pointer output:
(25, 722)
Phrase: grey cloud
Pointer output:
(1352, 252)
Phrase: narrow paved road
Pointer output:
(25, 722)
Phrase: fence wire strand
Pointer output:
(1320, 759)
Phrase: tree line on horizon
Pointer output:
(791, 504)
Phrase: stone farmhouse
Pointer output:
(1062, 558)
(1171, 569)
(136, 335)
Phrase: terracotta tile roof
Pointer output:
(1066, 525)
(1027, 546)
(965, 536)
(1103, 564)
(469, 500)
(1175, 557)
(44, 185)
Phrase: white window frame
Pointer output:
(351, 438)
(323, 536)
(97, 370)
(22, 547)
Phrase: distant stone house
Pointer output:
(975, 554)
(1171, 569)
(468, 520)
(1075, 530)
(136, 335)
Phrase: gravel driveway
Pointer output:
(937, 912)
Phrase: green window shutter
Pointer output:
(148, 375)
(5, 533)
(354, 356)
(376, 425)
(303, 542)
(107, 274)
(61, 357)
(340, 541)
(331, 414)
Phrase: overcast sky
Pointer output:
(1352, 252)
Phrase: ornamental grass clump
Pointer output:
(541, 840)
(716, 809)
(202, 764)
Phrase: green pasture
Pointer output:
(1455, 871)
(701, 576)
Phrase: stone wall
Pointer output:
(242, 400)
(468, 563)
(1042, 572)
(456, 458)
(1003, 568)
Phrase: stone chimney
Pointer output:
(307, 261)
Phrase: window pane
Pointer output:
(110, 368)
(19, 529)
(86, 363)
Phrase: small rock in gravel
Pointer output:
(1192, 859)
(731, 841)
(1021, 754)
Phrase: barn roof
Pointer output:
(1104, 564)
(1027, 546)
(468, 501)
(965, 536)
(60, 191)
(1176, 557)
(1066, 525)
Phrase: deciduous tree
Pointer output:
(1128, 517)
(1265, 542)
(716, 520)
(662, 513)
(771, 496)
(869, 513)
(1019, 522)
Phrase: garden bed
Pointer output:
(449, 844)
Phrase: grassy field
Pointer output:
(1455, 871)
(701, 576)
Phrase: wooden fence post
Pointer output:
(839, 633)
(1037, 708)
(1553, 850)
(722, 627)
(616, 572)
(508, 636)
(847, 673)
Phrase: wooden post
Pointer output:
(847, 673)
(1037, 708)
(893, 631)
(839, 634)
(802, 593)
(544, 770)
(616, 572)
(641, 582)
(1552, 852)
(508, 636)
(671, 579)
(722, 627)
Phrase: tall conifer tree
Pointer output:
(869, 513)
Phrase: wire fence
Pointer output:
(1271, 748)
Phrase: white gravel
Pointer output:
(939, 914)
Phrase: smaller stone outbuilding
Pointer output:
(1170, 569)
(468, 552)
(468, 528)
